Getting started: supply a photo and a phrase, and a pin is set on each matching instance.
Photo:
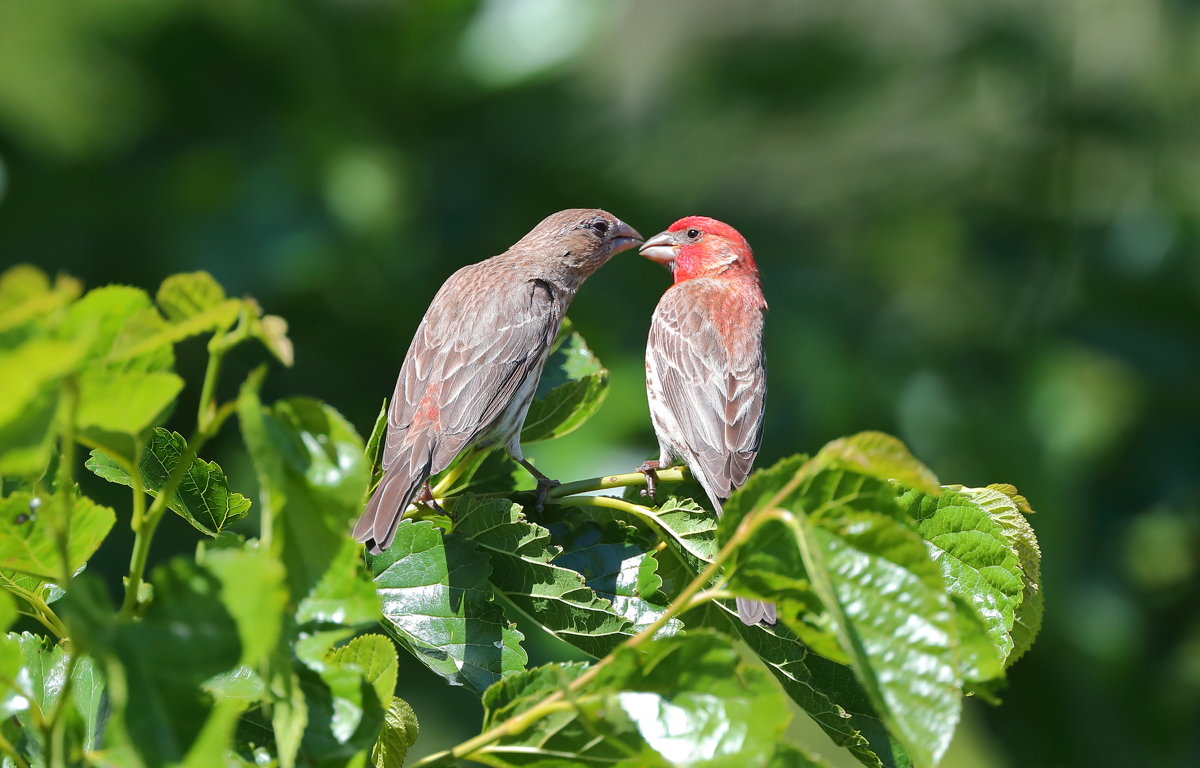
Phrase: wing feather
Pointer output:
(707, 380)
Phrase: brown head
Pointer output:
(574, 243)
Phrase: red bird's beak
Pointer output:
(660, 248)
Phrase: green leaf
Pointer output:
(202, 498)
(827, 691)
(684, 700)
(312, 476)
(375, 657)
(615, 560)
(344, 595)
(437, 602)
(147, 331)
(43, 668)
(373, 453)
(1009, 508)
(26, 294)
(29, 375)
(187, 636)
(841, 562)
(978, 564)
(117, 317)
(252, 590)
(8, 611)
(879, 455)
(116, 408)
(28, 545)
(571, 390)
(556, 598)
(188, 294)
(400, 731)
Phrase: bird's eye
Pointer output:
(692, 234)
(600, 227)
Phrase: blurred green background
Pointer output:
(977, 223)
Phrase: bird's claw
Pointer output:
(650, 470)
(544, 485)
(425, 496)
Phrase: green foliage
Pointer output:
(896, 595)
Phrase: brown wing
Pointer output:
(707, 378)
(483, 334)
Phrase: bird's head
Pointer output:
(579, 239)
(697, 246)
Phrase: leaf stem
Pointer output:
(209, 421)
(606, 482)
(7, 748)
(60, 517)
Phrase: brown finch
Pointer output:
(474, 363)
(705, 369)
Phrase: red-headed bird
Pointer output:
(706, 374)
(474, 363)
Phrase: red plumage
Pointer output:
(705, 367)
(475, 360)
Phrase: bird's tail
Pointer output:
(377, 526)
(752, 612)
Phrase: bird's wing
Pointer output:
(480, 338)
(709, 377)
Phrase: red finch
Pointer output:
(474, 363)
(705, 369)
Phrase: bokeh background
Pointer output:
(978, 223)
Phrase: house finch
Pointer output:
(474, 363)
(705, 369)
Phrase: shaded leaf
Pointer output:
(437, 602)
(202, 498)
(312, 476)
(572, 387)
(556, 598)
(344, 595)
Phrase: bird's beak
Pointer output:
(660, 248)
(625, 237)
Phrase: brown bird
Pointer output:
(706, 374)
(474, 363)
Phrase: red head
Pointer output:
(697, 246)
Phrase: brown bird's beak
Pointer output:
(660, 248)
(625, 237)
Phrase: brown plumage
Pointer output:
(706, 374)
(475, 360)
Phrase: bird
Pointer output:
(706, 372)
(474, 362)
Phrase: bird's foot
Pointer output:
(544, 484)
(425, 496)
(650, 470)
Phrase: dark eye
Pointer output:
(600, 227)
(692, 234)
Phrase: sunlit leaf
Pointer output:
(1009, 508)
(28, 544)
(116, 407)
(437, 601)
(684, 700)
(27, 294)
(103, 318)
(188, 294)
(400, 731)
(841, 560)
(879, 455)
(202, 498)
(976, 561)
